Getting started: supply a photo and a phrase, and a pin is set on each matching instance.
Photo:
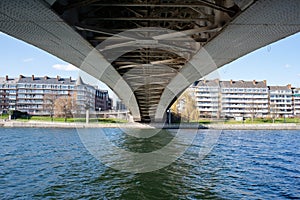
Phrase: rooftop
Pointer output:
(288, 87)
(208, 83)
(46, 80)
(4, 80)
(232, 84)
(243, 84)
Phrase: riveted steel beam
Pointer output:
(169, 5)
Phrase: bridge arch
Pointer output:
(226, 29)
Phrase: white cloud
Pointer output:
(28, 60)
(65, 67)
(287, 66)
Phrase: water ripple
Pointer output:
(54, 164)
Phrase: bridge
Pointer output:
(149, 51)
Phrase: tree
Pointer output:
(273, 110)
(10, 113)
(190, 110)
(174, 112)
(64, 106)
(253, 110)
(49, 104)
(186, 106)
(175, 107)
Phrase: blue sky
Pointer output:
(278, 63)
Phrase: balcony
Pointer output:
(242, 101)
(244, 112)
(239, 96)
(208, 110)
(207, 95)
(244, 93)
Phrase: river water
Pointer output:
(55, 164)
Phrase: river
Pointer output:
(55, 164)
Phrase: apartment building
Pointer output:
(217, 98)
(90, 97)
(85, 96)
(207, 95)
(32, 90)
(296, 101)
(28, 94)
(244, 98)
(281, 101)
(120, 106)
(8, 95)
(102, 100)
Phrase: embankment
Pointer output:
(267, 126)
(39, 124)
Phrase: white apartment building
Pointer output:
(281, 101)
(85, 96)
(296, 101)
(207, 94)
(217, 98)
(244, 98)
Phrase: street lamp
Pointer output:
(169, 116)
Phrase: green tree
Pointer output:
(10, 113)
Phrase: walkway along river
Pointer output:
(220, 126)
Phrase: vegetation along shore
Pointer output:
(46, 122)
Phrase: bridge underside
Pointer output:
(149, 51)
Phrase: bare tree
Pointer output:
(186, 106)
(273, 111)
(64, 106)
(49, 103)
(254, 110)
(174, 108)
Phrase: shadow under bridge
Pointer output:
(149, 51)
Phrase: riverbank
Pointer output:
(219, 126)
(43, 124)
(267, 126)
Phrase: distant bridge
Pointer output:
(149, 51)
